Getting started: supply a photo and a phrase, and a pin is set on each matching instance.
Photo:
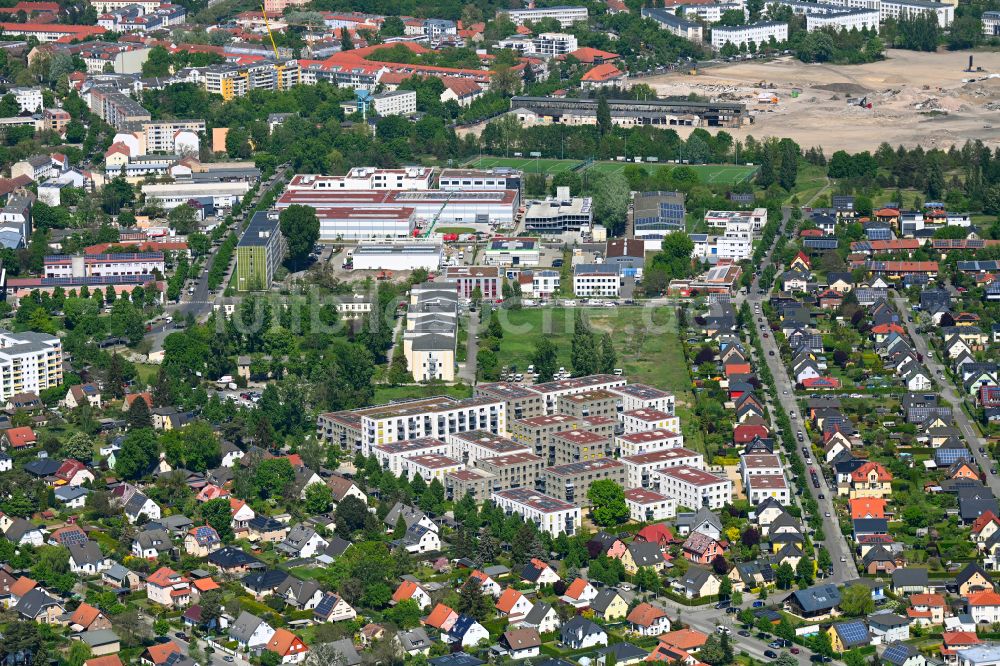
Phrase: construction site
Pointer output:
(910, 98)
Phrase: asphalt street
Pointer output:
(844, 567)
(947, 390)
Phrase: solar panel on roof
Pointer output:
(896, 653)
(879, 234)
(325, 605)
(853, 632)
(73, 537)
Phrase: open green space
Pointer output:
(454, 230)
(385, 394)
(525, 164)
(710, 174)
(646, 340)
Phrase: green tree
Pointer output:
(608, 501)
(194, 447)
(217, 513)
(784, 575)
(138, 454)
(138, 417)
(856, 601)
(406, 614)
(804, 572)
(157, 63)
(583, 351)
(319, 498)
(80, 447)
(392, 26)
(272, 477)
(300, 226)
(545, 359)
(610, 203)
(604, 122)
(183, 220)
(472, 601)
(609, 359)
(725, 588)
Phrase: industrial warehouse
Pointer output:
(628, 113)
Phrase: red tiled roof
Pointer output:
(645, 615)
(600, 73)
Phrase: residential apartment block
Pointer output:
(548, 513)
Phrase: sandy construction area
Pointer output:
(916, 98)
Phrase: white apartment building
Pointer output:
(552, 390)
(758, 33)
(643, 396)
(29, 99)
(596, 280)
(647, 441)
(29, 362)
(435, 418)
(721, 218)
(395, 103)
(476, 445)
(756, 464)
(103, 265)
(547, 44)
(674, 24)
(638, 420)
(737, 242)
(431, 466)
(640, 469)
(366, 178)
(991, 24)
(710, 13)
(566, 15)
(393, 456)
(897, 9)
(548, 513)
(648, 505)
(760, 487)
(694, 488)
(172, 195)
(851, 19)
(544, 283)
(161, 136)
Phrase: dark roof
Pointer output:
(230, 557)
(817, 598)
(910, 577)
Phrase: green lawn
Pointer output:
(454, 230)
(385, 394)
(647, 342)
(525, 164)
(146, 373)
(710, 174)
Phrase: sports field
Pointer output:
(525, 164)
(710, 174)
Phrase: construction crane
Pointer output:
(268, 26)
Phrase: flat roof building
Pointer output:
(548, 513)
(522, 401)
(641, 468)
(694, 488)
(570, 482)
(259, 252)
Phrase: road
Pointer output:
(216, 657)
(844, 567)
(201, 301)
(467, 370)
(707, 618)
(947, 391)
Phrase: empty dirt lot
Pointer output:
(916, 98)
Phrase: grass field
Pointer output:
(646, 340)
(710, 174)
(525, 164)
(384, 394)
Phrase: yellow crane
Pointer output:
(268, 26)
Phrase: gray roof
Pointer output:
(34, 603)
(297, 538)
(156, 538)
(87, 552)
(817, 598)
(910, 577)
(98, 637)
(414, 639)
(345, 649)
(243, 628)
(538, 612)
(604, 599)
